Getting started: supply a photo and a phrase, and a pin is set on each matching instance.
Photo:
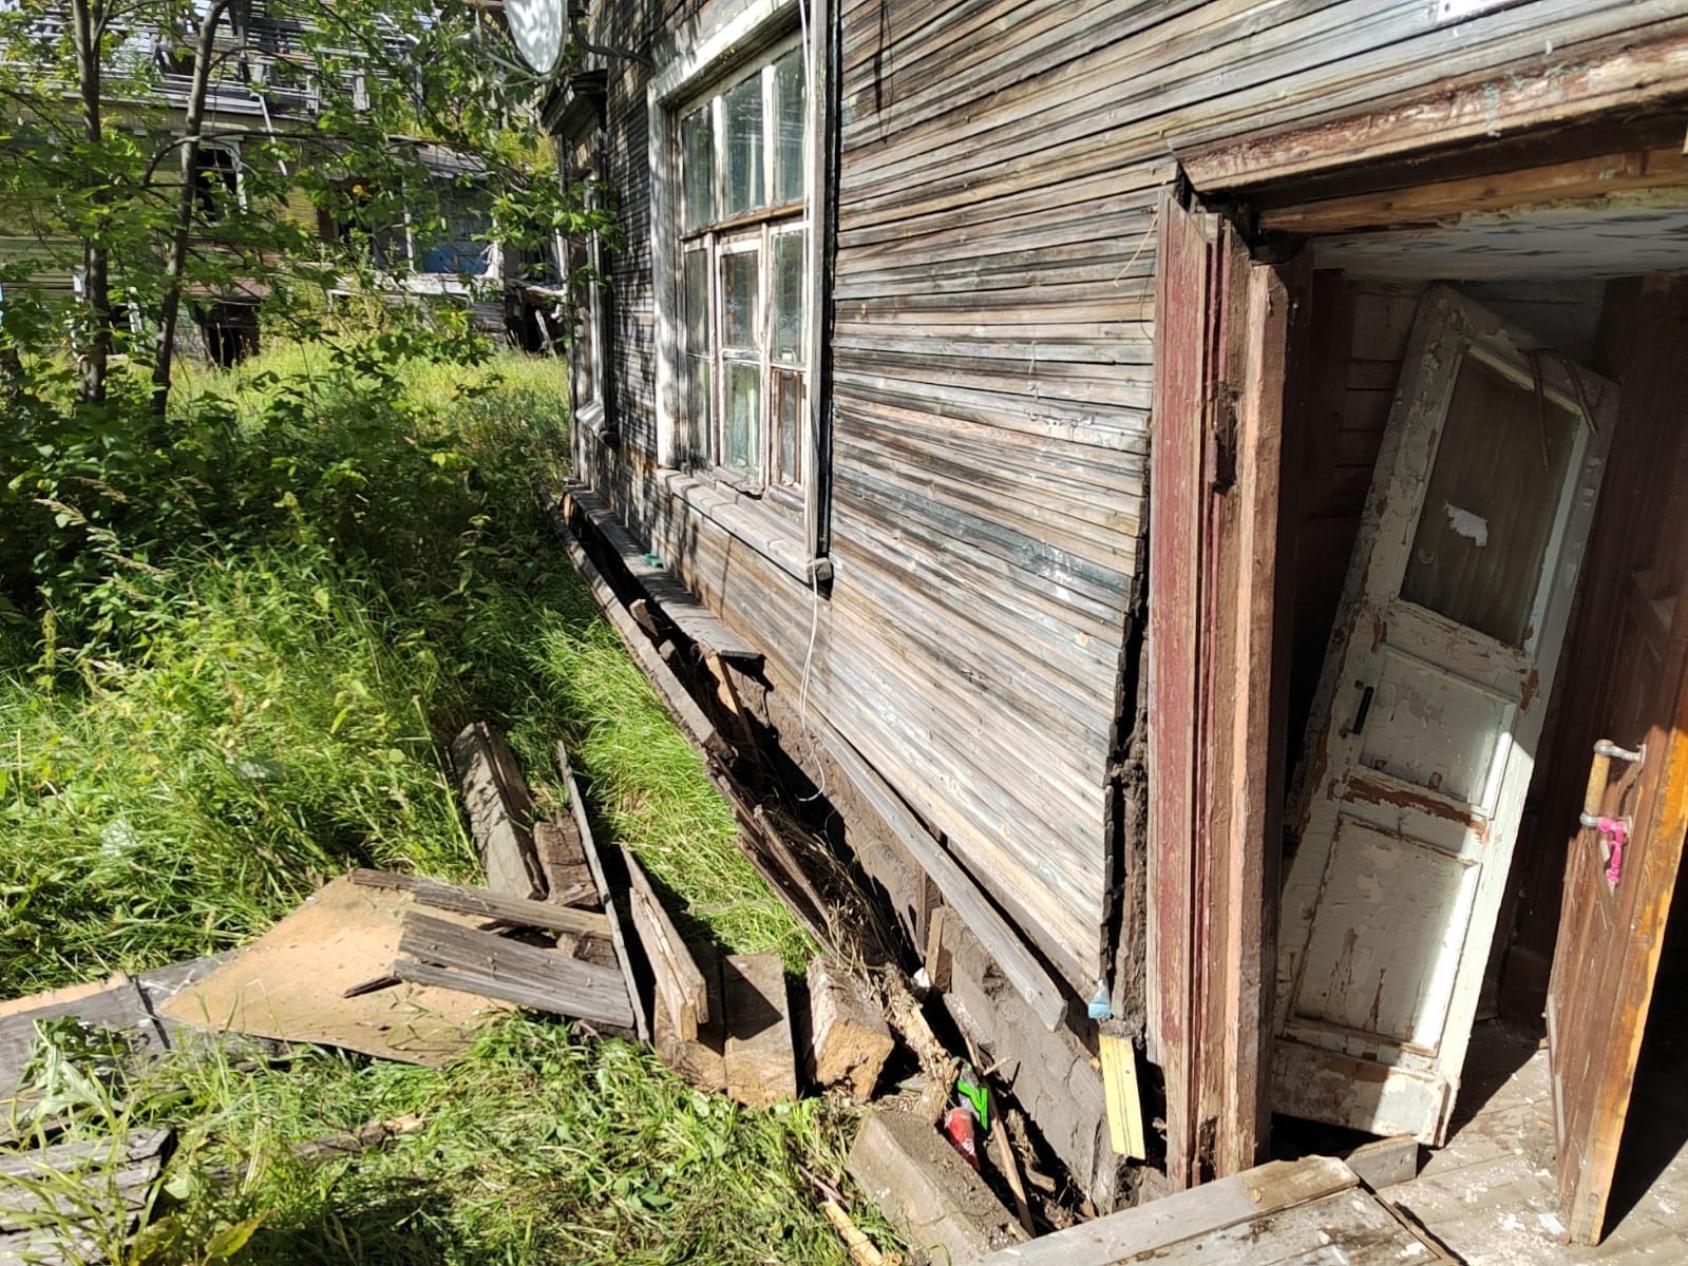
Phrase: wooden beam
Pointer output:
(964, 897)
(1216, 645)
(760, 1058)
(512, 910)
(577, 807)
(500, 809)
(1578, 179)
(1151, 1229)
(1627, 75)
(438, 952)
(1186, 266)
(680, 985)
(665, 594)
(681, 706)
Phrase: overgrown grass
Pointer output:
(270, 713)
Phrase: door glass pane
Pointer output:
(788, 418)
(739, 294)
(697, 302)
(1490, 504)
(744, 147)
(789, 98)
(788, 252)
(743, 430)
(697, 143)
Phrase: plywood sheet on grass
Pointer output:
(289, 984)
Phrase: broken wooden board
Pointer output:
(500, 810)
(516, 911)
(849, 1040)
(1012, 956)
(117, 1004)
(595, 864)
(1124, 1099)
(1385, 1162)
(568, 879)
(435, 951)
(680, 986)
(761, 1063)
(1307, 1210)
(289, 983)
(701, 1060)
(57, 1204)
(664, 591)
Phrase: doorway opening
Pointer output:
(1435, 854)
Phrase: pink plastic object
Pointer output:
(1616, 831)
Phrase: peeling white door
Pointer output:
(1431, 703)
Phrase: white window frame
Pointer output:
(706, 58)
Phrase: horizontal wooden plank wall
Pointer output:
(1000, 163)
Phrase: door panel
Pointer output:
(1430, 706)
(1611, 930)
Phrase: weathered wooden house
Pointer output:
(1203, 478)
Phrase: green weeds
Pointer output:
(189, 747)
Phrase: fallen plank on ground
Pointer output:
(516, 911)
(500, 810)
(434, 951)
(680, 986)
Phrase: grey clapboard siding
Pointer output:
(993, 372)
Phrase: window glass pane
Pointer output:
(697, 401)
(697, 302)
(1501, 468)
(743, 430)
(789, 95)
(739, 294)
(744, 147)
(697, 143)
(788, 417)
(582, 350)
(789, 250)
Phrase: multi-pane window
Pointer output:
(743, 273)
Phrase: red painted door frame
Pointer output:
(1218, 636)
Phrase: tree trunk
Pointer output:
(94, 356)
(176, 262)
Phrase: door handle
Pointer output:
(1600, 773)
(1362, 710)
(1614, 832)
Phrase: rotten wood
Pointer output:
(1021, 969)
(435, 952)
(500, 809)
(849, 1041)
(666, 597)
(699, 1060)
(681, 706)
(594, 862)
(761, 1063)
(680, 986)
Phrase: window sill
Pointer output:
(593, 419)
(769, 533)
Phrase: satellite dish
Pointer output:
(537, 28)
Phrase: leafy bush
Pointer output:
(327, 446)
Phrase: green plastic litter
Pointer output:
(973, 1090)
